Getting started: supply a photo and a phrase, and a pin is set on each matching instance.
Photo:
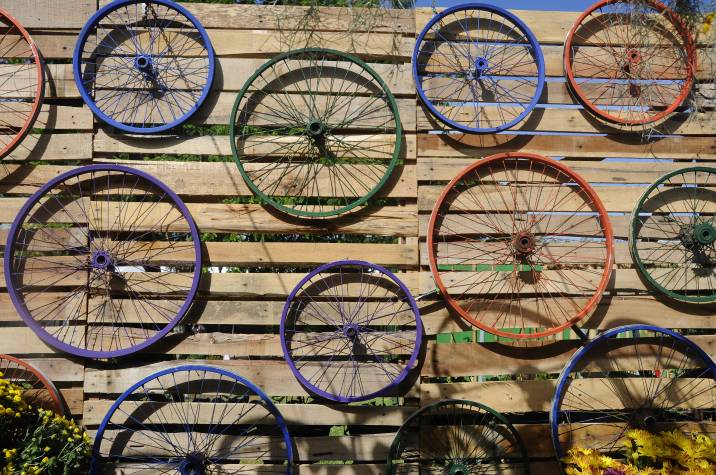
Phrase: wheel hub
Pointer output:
(351, 331)
(524, 243)
(315, 128)
(101, 260)
(143, 63)
(457, 468)
(705, 234)
(644, 419)
(481, 65)
(193, 464)
(634, 56)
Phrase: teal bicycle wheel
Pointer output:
(673, 235)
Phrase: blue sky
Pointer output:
(564, 5)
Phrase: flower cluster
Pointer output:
(665, 453)
(708, 22)
(37, 441)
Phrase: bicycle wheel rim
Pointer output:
(192, 458)
(149, 71)
(97, 259)
(40, 391)
(639, 417)
(458, 453)
(484, 65)
(348, 339)
(23, 113)
(667, 98)
(522, 248)
(684, 228)
(345, 190)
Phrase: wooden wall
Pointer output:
(250, 303)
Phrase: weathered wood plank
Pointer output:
(274, 377)
(611, 312)
(294, 414)
(495, 359)
(280, 17)
(212, 179)
(105, 143)
(632, 172)
(52, 146)
(580, 121)
(49, 13)
(619, 199)
(476, 146)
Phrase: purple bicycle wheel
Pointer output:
(103, 261)
(350, 331)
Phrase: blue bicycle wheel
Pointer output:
(632, 377)
(193, 420)
(478, 68)
(143, 66)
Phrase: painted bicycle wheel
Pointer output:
(672, 235)
(520, 245)
(143, 66)
(350, 331)
(193, 420)
(478, 68)
(102, 261)
(457, 437)
(22, 83)
(632, 377)
(630, 62)
(39, 390)
(315, 132)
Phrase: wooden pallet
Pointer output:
(250, 302)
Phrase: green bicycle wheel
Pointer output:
(457, 437)
(672, 236)
(315, 132)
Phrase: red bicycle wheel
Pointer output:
(520, 245)
(22, 83)
(630, 62)
(39, 390)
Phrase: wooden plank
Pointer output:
(268, 43)
(105, 143)
(52, 146)
(234, 72)
(275, 254)
(273, 376)
(611, 312)
(536, 395)
(213, 179)
(631, 172)
(475, 146)
(74, 399)
(444, 359)
(59, 82)
(229, 218)
(279, 17)
(625, 280)
(579, 121)
(220, 112)
(49, 13)
(58, 369)
(616, 199)
(293, 414)
(54, 117)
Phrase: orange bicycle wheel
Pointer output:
(22, 83)
(630, 62)
(38, 389)
(520, 245)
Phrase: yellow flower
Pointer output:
(45, 459)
